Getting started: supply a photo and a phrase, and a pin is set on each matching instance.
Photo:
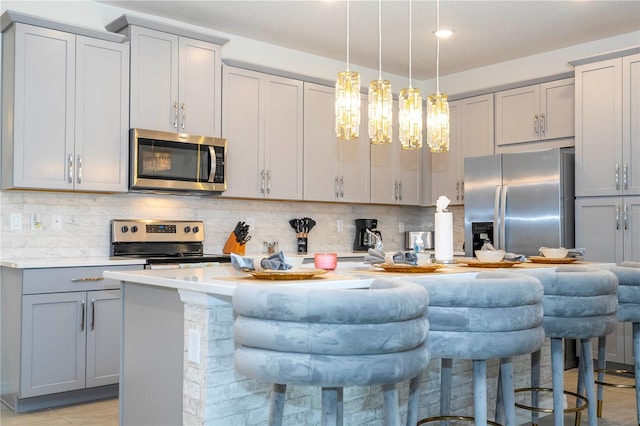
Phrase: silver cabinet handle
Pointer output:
(457, 190)
(341, 186)
(93, 314)
(395, 190)
(617, 177)
(70, 169)
(543, 125)
(77, 280)
(624, 217)
(268, 182)
(336, 187)
(400, 190)
(617, 216)
(183, 114)
(175, 115)
(262, 181)
(83, 314)
(625, 174)
(79, 177)
(536, 131)
(462, 190)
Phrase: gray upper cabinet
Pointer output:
(175, 83)
(608, 127)
(535, 113)
(65, 108)
(334, 170)
(262, 122)
(396, 173)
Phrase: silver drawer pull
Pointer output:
(76, 280)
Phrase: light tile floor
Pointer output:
(619, 410)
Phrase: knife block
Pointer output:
(232, 246)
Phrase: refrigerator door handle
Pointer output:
(503, 215)
(496, 217)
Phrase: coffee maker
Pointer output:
(364, 240)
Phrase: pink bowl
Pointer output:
(325, 260)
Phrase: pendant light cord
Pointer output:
(380, 39)
(437, 46)
(348, 35)
(410, 44)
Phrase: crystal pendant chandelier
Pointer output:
(437, 105)
(410, 115)
(348, 99)
(380, 99)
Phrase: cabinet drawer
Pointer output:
(56, 280)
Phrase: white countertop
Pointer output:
(223, 279)
(68, 262)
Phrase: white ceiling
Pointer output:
(486, 31)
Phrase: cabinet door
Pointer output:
(199, 88)
(354, 162)
(408, 171)
(383, 181)
(517, 115)
(43, 102)
(557, 109)
(631, 227)
(599, 228)
(321, 182)
(243, 117)
(154, 80)
(444, 165)
(102, 115)
(53, 343)
(103, 337)
(283, 139)
(631, 124)
(599, 128)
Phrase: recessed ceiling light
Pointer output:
(444, 33)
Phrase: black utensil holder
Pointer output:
(302, 245)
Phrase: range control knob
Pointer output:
(196, 229)
(187, 229)
(134, 228)
(124, 229)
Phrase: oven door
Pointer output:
(177, 162)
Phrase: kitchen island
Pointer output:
(177, 353)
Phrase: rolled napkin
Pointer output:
(274, 262)
(399, 257)
(511, 257)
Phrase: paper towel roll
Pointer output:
(444, 236)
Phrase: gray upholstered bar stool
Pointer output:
(332, 339)
(628, 274)
(579, 303)
(493, 315)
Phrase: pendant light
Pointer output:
(437, 105)
(380, 99)
(348, 99)
(410, 115)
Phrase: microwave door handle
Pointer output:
(496, 217)
(212, 164)
(503, 218)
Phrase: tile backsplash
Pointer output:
(85, 221)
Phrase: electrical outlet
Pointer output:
(36, 222)
(56, 222)
(193, 349)
(16, 221)
(400, 227)
(340, 225)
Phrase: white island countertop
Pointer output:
(222, 280)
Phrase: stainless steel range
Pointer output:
(163, 243)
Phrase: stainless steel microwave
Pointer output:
(164, 161)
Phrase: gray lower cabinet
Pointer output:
(61, 331)
(69, 341)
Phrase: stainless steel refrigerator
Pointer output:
(519, 201)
